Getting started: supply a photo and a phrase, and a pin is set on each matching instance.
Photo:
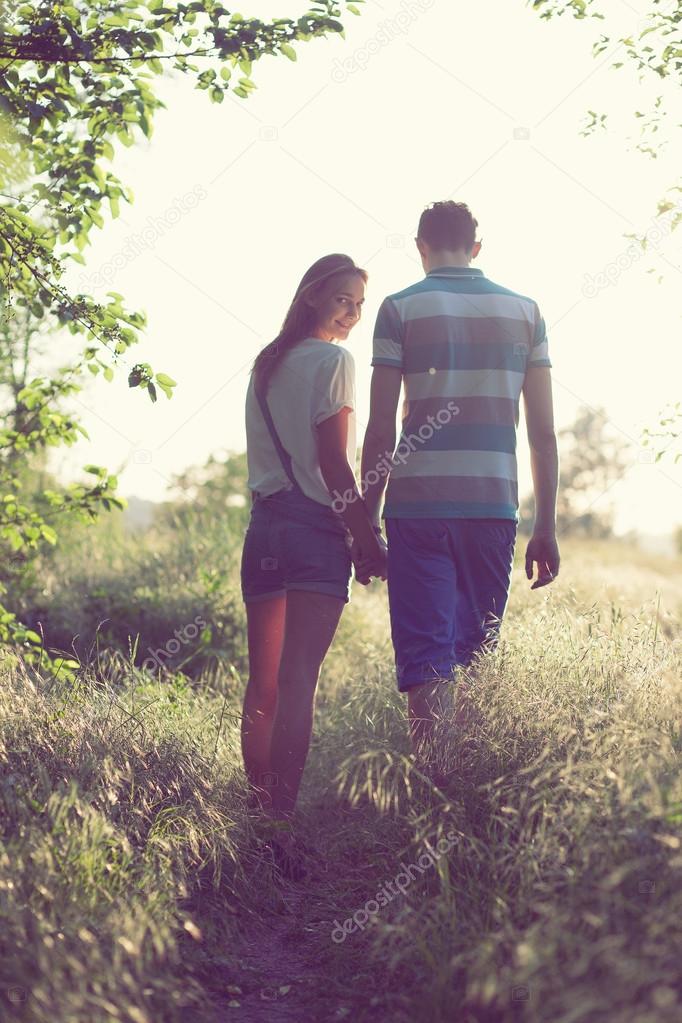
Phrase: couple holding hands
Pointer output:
(464, 349)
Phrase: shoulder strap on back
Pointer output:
(284, 456)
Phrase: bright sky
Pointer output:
(340, 152)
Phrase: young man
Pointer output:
(465, 349)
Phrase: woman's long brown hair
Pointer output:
(318, 281)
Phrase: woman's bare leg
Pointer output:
(311, 621)
(265, 637)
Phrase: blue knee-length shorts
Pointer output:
(448, 585)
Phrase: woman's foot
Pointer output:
(258, 800)
(287, 852)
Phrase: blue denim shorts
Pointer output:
(294, 543)
(448, 584)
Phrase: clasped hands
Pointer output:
(369, 561)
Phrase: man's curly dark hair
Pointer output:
(448, 226)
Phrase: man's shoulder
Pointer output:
(499, 289)
(412, 289)
(484, 285)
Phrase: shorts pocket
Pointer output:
(316, 559)
(499, 535)
(422, 534)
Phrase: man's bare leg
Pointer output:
(440, 713)
(428, 705)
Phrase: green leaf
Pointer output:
(70, 664)
(288, 51)
(165, 380)
(48, 533)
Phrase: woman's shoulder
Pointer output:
(337, 365)
(321, 356)
(337, 355)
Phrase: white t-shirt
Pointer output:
(313, 381)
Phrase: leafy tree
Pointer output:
(654, 50)
(668, 433)
(27, 429)
(76, 79)
(593, 458)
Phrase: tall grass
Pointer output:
(132, 885)
(103, 587)
(113, 816)
(561, 898)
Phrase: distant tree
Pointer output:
(593, 458)
(215, 487)
(222, 479)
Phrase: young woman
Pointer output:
(308, 524)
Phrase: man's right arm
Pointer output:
(387, 378)
(542, 547)
(379, 443)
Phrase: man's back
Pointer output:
(463, 344)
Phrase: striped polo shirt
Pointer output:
(464, 345)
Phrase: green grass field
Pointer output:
(133, 886)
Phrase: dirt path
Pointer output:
(284, 966)
(279, 965)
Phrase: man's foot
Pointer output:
(287, 858)
(436, 772)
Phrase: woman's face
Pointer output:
(340, 311)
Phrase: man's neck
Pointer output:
(437, 260)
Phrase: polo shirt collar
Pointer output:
(455, 271)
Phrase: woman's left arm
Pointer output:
(332, 436)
